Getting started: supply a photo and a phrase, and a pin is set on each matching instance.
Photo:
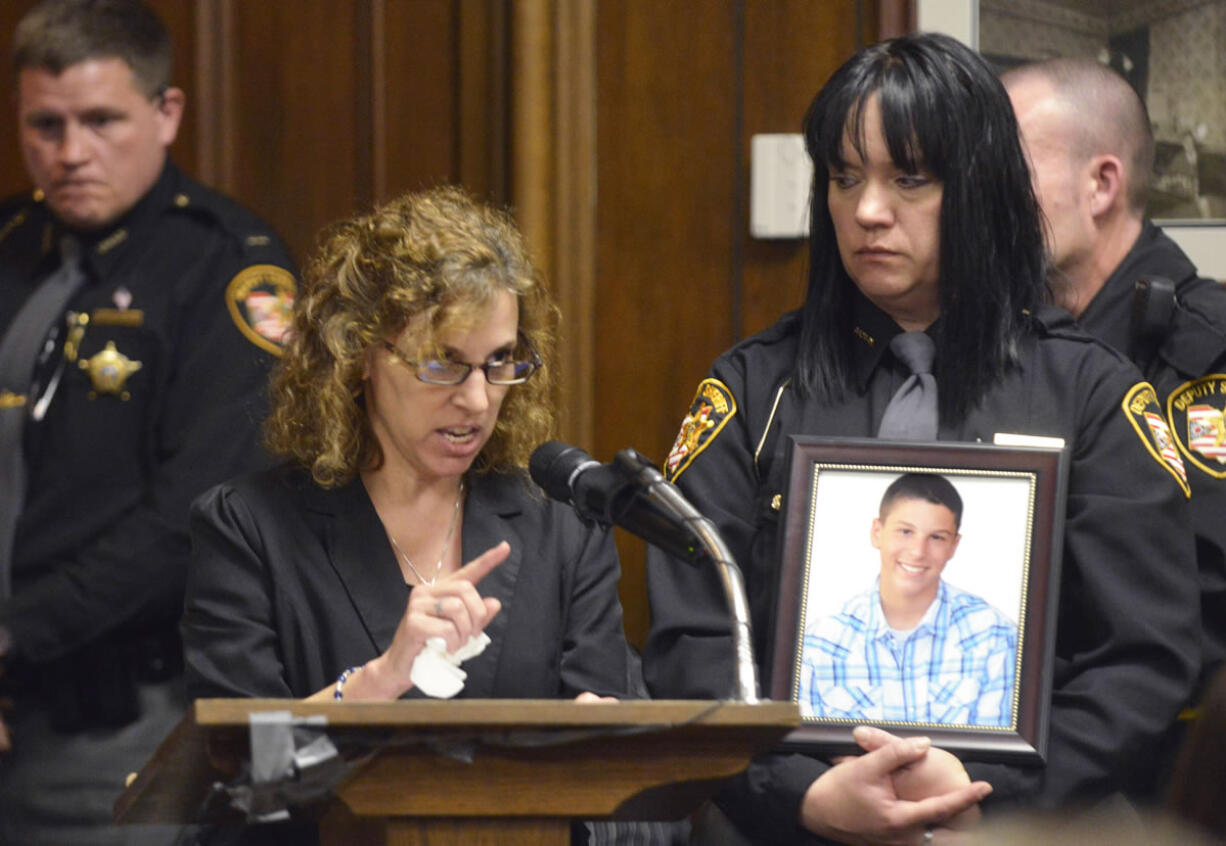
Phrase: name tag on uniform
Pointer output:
(1015, 440)
(117, 317)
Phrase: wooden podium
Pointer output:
(533, 765)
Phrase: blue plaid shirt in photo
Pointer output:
(956, 667)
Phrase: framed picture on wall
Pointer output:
(918, 593)
(1169, 52)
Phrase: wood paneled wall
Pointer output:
(309, 110)
(618, 129)
(682, 88)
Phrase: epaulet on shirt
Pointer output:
(249, 232)
(260, 297)
(1055, 320)
(1195, 345)
(785, 327)
(1196, 342)
(17, 211)
(1205, 298)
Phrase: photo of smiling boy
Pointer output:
(914, 648)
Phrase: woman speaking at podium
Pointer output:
(402, 546)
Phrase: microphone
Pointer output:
(611, 494)
(633, 494)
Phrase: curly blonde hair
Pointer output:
(437, 255)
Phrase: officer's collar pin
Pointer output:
(13, 222)
(111, 241)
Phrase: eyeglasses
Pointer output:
(504, 371)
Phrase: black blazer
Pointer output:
(291, 583)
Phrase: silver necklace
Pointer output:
(438, 567)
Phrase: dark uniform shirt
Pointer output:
(1127, 649)
(1186, 362)
(196, 291)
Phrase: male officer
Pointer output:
(139, 315)
(1091, 151)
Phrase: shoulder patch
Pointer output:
(1197, 411)
(713, 406)
(1141, 406)
(261, 301)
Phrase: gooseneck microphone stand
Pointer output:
(666, 495)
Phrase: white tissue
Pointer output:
(437, 672)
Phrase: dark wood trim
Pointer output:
(532, 141)
(895, 18)
(378, 99)
(574, 279)
(483, 98)
(207, 104)
(367, 123)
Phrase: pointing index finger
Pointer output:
(477, 569)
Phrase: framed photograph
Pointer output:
(918, 593)
(1171, 54)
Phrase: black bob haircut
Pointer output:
(929, 487)
(942, 110)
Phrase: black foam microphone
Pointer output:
(633, 494)
(610, 494)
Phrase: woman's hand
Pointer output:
(589, 698)
(856, 801)
(451, 608)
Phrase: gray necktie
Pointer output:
(912, 412)
(19, 353)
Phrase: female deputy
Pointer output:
(924, 225)
(414, 385)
